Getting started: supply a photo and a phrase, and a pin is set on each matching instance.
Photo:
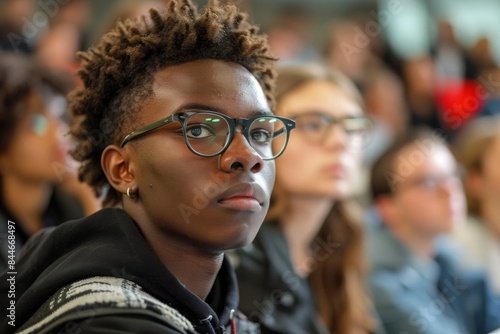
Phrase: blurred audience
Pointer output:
(58, 47)
(128, 10)
(417, 283)
(452, 60)
(36, 187)
(491, 89)
(77, 13)
(348, 48)
(305, 271)
(290, 36)
(420, 77)
(385, 101)
(482, 55)
(478, 151)
(17, 32)
(66, 35)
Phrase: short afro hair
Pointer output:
(118, 73)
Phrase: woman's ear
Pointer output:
(115, 163)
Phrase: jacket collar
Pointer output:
(109, 243)
(388, 253)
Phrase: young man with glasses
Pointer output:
(176, 122)
(416, 280)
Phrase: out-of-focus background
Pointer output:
(409, 26)
(433, 63)
(416, 62)
(437, 52)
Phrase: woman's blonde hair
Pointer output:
(338, 281)
(470, 148)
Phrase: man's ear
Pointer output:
(386, 208)
(115, 163)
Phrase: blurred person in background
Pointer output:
(349, 49)
(58, 46)
(491, 86)
(290, 35)
(460, 74)
(77, 13)
(65, 36)
(482, 55)
(478, 150)
(305, 271)
(416, 281)
(128, 10)
(17, 32)
(452, 60)
(420, 78)
(36, 189)
(384, 97)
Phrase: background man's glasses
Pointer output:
(209, 133)
(316, 126)
(429, 182)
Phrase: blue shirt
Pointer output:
(435, 297)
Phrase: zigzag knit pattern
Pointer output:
(85, 299)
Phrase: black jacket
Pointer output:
(270, 291)
(109, 245)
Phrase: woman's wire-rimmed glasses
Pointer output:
(209, 133)
(316, 126)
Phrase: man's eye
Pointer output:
(261, 136)
(199, 131)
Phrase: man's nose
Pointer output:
(240, 155)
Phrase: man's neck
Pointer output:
(422, 246)
(195, 268)
(27, 201)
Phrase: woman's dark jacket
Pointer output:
(271, 293)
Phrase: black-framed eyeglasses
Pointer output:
(209, 133)
(429, 182)
(315, 126)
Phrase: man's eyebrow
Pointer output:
(205, 107)
(196, 106)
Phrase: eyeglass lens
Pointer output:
(208, 134)
(316, 127)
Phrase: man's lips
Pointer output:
(243, 196)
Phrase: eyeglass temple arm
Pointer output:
(150, 127)
(290, 124)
